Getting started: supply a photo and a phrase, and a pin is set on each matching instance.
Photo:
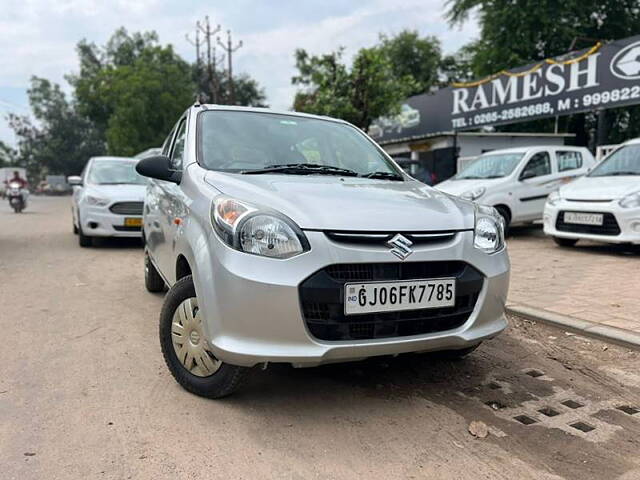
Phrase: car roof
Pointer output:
(208, 106)
(633, 141)
(532, 147)
(103, 158)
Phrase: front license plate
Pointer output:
(133, 222)
(583, 218)
(397, 296)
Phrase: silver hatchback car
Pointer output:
(294, 238)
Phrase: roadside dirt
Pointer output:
(84, 392)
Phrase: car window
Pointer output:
(177, 154)
(623, 161)
(568, 160)
(114, 172)
(538, 165)
(166, 146)
(233, 141)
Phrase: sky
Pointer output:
(38, 37)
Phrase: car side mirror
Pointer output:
(158, 167)
(74, 180)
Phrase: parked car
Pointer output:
(517, 181)
(604, 205)
(56, 185)
(107, 199)
(286, 237)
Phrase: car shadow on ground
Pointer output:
(116, 243)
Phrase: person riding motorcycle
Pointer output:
(21, 184)
(17, 179)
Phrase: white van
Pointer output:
(517, 181)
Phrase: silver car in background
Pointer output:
(292, 238)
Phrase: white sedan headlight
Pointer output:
(97, 201)
(260, 232)
(553, 198)
(630, 201)
(474, 194)
(488, 234)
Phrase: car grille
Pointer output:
(609, 225)
(381, 238)
(127, 208)
(125, 228)
(322, 300)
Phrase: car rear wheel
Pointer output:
(185, 347)
(565, 242)
(506, 216)
(152, 279)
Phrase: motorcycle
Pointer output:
(16, 197)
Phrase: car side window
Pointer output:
(568, 160)
(166, 146)
(539, 164)
(177, 152)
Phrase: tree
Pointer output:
(133, 89)
(7, 155)
(517, 32)
(63, 139)
(413, 56)
(360, 94)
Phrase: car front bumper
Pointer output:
(253, 314)
(627, 220)
(100, 222)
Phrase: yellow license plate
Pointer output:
(132, 222)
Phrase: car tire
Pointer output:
(84, 240)
(75, 229)
(506, 216)
(152, 279)
(224, 380)
(456, 354)
(565, 242)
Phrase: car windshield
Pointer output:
(491, 166)
(624, 161)
(115, 172)
(248, 142)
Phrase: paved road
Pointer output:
(84, 392)
(591, 281)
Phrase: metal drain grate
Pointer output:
(629, 410)
(549, 412)
(525, 420)
(572, 404)
(495, 405)
(583, 427)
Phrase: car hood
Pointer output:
(349, 203)
(458, 187)
(125, 192)
(600, 188)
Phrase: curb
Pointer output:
(619, 336)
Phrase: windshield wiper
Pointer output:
(302, 169)
(383, 175)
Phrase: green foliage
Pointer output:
(359, 94)
(517, 32)
(7, 155)
(61, 141)
(133, 90)
(413, 56)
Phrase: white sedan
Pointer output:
(108, 199)
(602, 206)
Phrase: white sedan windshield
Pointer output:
(491, 166)
(624, 161)
(115, 172)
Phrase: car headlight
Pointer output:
(474, 194)
(630, 201)
(97, 201)
(553, 198)
(252, 230)
(488, 233)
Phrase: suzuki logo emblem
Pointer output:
(400, 246)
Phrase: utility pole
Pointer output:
(230, 49)
(211, 62)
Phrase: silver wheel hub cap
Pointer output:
(189, 341)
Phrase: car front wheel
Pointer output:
(565, 242)
(185, 348)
